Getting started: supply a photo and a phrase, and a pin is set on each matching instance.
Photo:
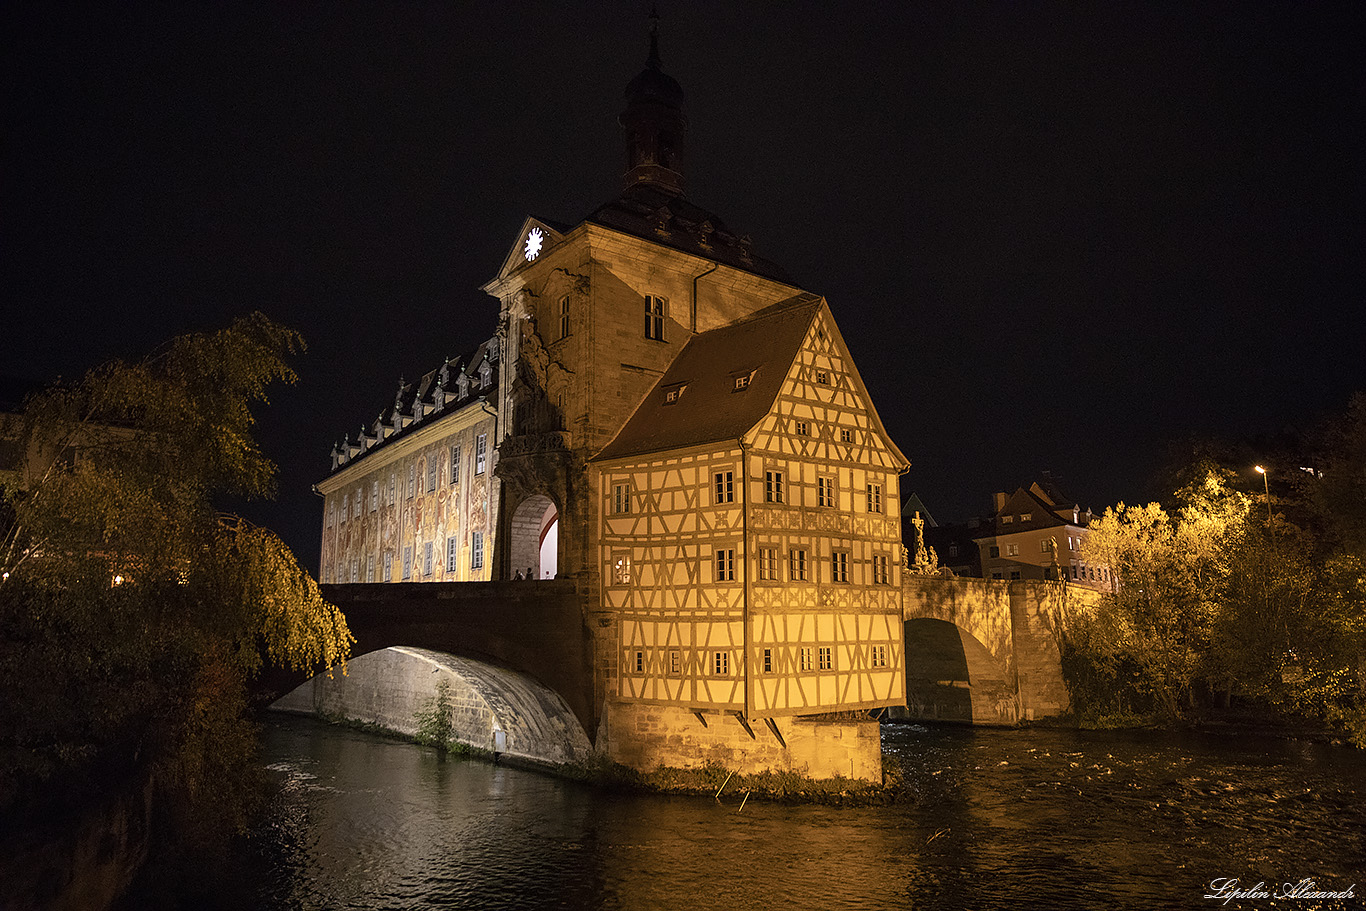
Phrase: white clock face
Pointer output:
(534, 239)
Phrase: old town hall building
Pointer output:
(663, 417)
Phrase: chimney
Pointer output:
(1000, 501)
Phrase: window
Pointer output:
(1014, 574)
(481, 448)
(839, 566)
(564, 316)
(803, 428)
(1072, 542)
(374, 495)
(742, 382)
(768, 564)
(773, 486)
(355, 570)
(655, 311)
(846, 435)
(875, 498)
(412, 481)
(452, 551)
(476, 550)
(721, 663)
(640, 662)
(880, 572)
(806, 658)
(621, 569)
(768, 661)
(673, 393)
(392, 481)
(879, 656)
(388, 567)
(1006, 520)
(725, 564)
(1012, 550)
(1046, 546)
(455, 465)
(826, 659)
(1074, 571)
(332, 515)
(825, 491)
(1026, 516)
(997, 576)
(953, 550)
(621, 498)
(407, 563)
(725, 487)
(327, 575)
(796, 565)
(431, 475)
(360, 495)
(823, 377)
(675, 663)
(370, 568)
(485, 374)
(993, 551)
(346, 506)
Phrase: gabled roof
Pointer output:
(1023, 501)
(672, 220)
(708, 408)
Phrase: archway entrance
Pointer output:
(535, 544)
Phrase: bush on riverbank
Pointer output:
(1227, 607)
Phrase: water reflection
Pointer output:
(989, 819)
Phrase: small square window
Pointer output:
(803, 428)
(823, 377)
(741, 382)
(993, 551)
(1012, 550)
(846, 435)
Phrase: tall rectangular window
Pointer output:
(839, 566)
(721, 663)
(452, 553)
(360, 495)
(803, 428)
(725, 487)
(655, 311)
(455, 465)
(481, 449)
(621, 498)
(621, 569)
(879, 656)
(392, 483)
(1046, 545)
(825, 491)
(407, 563)
(427, 559)
(431, 475)
(355, 570)
(880, 573)
(370, 568)
(476, 550)
(374, 495)
(826, 658)
(332, 514)
(346, 506)
(773, 486)
(412, 480)
(768, 661)
(725, 564)
(388, 567)
(640, 662)
(806, 658)
(875, 498)
(675, 662)
(768, 564)
(846, 435)
(796, 565)
(564, 316)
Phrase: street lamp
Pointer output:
(1267, 487)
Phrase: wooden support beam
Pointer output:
(740, 717)
(773, 726)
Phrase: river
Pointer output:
(988, 819)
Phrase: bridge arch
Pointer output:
(493, 708)
(952, 676)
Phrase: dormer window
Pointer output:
(1026, 516)
(741, 381)
(485, 374)
(463, 384)
(673, 393)
(1006, 520)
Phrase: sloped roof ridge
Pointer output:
(794, 302)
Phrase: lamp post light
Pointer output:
(1267, 487)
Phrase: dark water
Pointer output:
(989, 819)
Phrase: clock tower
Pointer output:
(655, 125)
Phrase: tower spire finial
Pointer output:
(653, 61)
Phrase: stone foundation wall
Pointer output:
(648, 737)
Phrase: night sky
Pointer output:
(1056, 237)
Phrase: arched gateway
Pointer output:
(534, 539)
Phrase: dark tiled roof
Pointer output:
(673, 221)
(424, 390)
(709, 409)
